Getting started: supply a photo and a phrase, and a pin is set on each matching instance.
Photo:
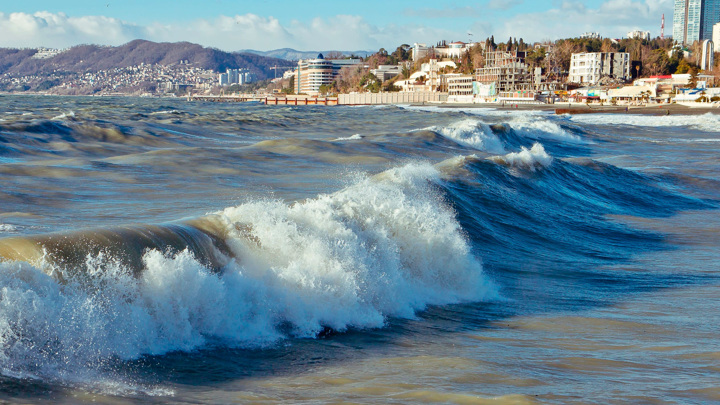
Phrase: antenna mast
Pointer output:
(662, 28)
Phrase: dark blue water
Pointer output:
(167, 251)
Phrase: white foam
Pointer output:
(64, 115)
(350, 138)
(532, 159)
(165, 112)
(707, 122)
(7, 228)
(384, 247)
(534, 127)
(473, 133)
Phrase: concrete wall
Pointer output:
(391, 98)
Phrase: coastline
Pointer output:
(659, 109)
(560, 108)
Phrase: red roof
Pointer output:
(661, 77)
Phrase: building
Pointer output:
(716, 36)
(505, 78)
(637, 34)
(419, 51)
(459, 87)
(590, 67)
(591, 35)
(707, 61)
(386, 72)
(428, 78)
(453, 50)
(235, 76)
(311, 74)
(693, 20)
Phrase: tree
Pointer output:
(693, 77)
(536, 57)
(683, 67)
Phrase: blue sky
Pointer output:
(320, 24)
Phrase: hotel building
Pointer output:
(313, 73)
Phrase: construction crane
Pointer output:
(275, 68)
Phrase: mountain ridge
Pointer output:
(93, 58)
(294, 55)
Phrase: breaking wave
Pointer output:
(532, 159)
(472, 133)
(386, 246)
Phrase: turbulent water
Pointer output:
(167, 251)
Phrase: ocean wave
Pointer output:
(534, 127)
(473, 133)
(7, 228)
(707, 122)
(386, 246)
(532, 159)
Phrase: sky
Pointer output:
(320, 24)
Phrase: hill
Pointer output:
(93, 58)
(294, 55)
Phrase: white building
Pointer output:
(589, 68)
(311, 74)
(591, 35)
(453, 50)
(386, 72)
(716, 36)
(419, 51)
(637, 34)
(460, 87)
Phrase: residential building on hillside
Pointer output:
(313, 73)
(419, 51)
(453, 50)
(693, 20)
(591, 35)
(637, 34)
(590, 67)
(235, 76)
(386, 72)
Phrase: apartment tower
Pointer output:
(693, 20)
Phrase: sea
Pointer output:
(166, 251)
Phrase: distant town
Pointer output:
(637, 69)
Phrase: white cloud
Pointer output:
(613, 18)
(59, 30)
(342, 32)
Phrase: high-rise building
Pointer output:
(313, 73)
(693, 20)
(716, 36)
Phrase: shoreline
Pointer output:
(560, 108)
(658, 110)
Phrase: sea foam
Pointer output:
(473, 133)
(707, 122)
(532, 159)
